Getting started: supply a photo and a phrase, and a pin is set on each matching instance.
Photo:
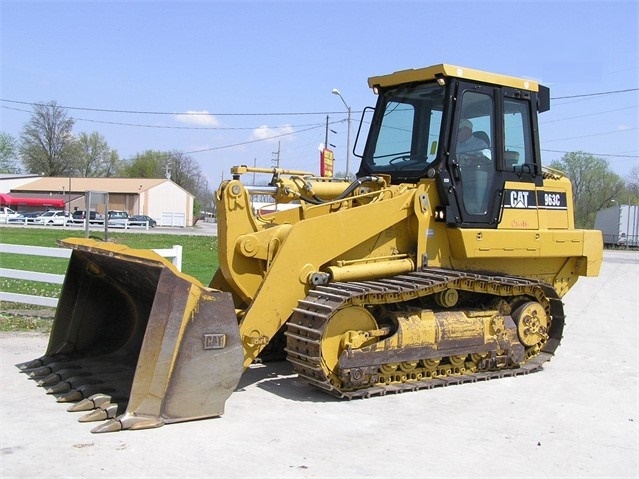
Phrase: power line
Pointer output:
(251, 141)
(206, 113)
(594, 154)
(594, 94)
(591, 134)
(141, 125)
(545, 122)
(310, 127)
(260, 139)
(174, 113)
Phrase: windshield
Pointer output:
(408, 132)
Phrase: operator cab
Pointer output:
(469, 130)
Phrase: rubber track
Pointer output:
(306, 326)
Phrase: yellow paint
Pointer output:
(445, 70)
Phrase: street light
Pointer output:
(348, 131)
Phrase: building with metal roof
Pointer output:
(163, 200)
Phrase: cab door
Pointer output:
(472, 160)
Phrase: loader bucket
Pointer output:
(138, 341)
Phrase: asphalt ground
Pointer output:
(576, 418)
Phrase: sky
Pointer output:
(257, 77)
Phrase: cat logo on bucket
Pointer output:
(214, 341)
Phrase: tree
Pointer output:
(632, 186)
(182, 169)
(149, 164)
(8, 154)
(187, 173)
(95, 158)
(594, 185)
(47, 145)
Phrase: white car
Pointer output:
(7, 214)
(52, 217)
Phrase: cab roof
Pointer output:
(454, 71)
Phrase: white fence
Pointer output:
(173, 219)
(175, 254)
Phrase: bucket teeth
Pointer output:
(83, 391)
(92, 402)
(39, 372)
(105, 411)
(48, 369)
(49, 380)
(70, 396)
(84, 379)
(129, 421)
(35, 363)
(61, 375)
(120, 387)
(61, 387)
(72, 383)
(112, 425)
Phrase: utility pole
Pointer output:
(276, 159)
(326, 143)
(254, 165)
(326, 134)
(348, 131)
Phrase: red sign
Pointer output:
(327, 160)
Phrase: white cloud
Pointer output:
(195, 117)
(268, 133)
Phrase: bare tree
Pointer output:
(96, 159)
(8, 154)
(632, 185)
(47, 145)
(186, 172)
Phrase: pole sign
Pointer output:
(326, 163)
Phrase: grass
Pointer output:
(199, 259)
(37, 323)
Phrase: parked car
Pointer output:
(80, 215)
(52, 217)
(26, 218)
(7, 214)
(118, 218)
(143, 219)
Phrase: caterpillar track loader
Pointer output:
(443, 262)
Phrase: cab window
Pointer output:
(474, 126)
(406, 131)
(473, 151)
(517, 141)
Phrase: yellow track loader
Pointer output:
(443, 262)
